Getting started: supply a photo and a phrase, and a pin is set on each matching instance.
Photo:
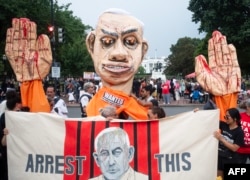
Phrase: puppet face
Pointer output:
(118, 48)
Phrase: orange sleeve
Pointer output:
(225, 102)
(34, 97)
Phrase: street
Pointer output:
(75, 112)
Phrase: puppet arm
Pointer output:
(30, 58)
(222, 76)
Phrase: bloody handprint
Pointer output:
(30, 57)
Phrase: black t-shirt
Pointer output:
(235, 136)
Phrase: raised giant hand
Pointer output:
(221, 76)
(30, 57)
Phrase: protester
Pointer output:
(156, 113)
(9, 94)
(71, 97)
(159, 89)
(172, 88)
(177, 91)
(89, 90)
(245, 124)
(210, 104)
(182, 87)
(117, 48)
(146, 99)
(166, 92)
(60, 106)
(230, 137)
(13, 103)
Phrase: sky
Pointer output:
(165, 21)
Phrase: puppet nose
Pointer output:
(119, 52)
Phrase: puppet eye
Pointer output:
(130, 42)
(107, 42)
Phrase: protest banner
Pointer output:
(45, 146)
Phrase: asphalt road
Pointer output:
(75, 112)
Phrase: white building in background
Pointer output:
(155, 66)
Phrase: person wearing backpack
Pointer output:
(89, 89)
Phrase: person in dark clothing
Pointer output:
(136, 87)
(159, 89)
(13, 104)
(172, 89)
(231, 137)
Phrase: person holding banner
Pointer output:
(245, 124)
(231, 138)
(156, 112)
(13, 103)
(113, 155)
(117, 48)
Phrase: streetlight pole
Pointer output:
(4, 64)
(53, 40)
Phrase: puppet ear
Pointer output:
(144, 48)
(90, 40)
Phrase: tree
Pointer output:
(182, 56)
(141, 70)
(72, 54)
(231, 18)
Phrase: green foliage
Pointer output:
(181, 61)
(72, 54)
(231, 18)
(141, 70)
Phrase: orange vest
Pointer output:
(122, 102)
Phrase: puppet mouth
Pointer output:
(116, 68)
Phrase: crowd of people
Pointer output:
(233, 137)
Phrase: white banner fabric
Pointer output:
(44, 146)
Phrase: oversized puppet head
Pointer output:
(117, 48)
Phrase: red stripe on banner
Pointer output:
(129, 128)
(155, 148)
(85, 144)
(142, 147)
(70, 145)
(99, 126)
